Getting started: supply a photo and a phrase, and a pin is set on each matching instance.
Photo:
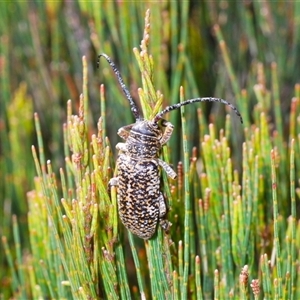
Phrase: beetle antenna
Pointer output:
(190, 101)
(133, 105)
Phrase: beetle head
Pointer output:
(144, 140)
(146, 128)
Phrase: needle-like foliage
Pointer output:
(234, 207)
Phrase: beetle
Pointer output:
(141, 204)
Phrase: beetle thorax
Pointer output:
(144, 140)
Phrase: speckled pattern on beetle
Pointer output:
(141, 204)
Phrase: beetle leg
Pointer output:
(124, 131)
(121, 147)
(170, 172)
(164, 223)
(167, 133)
(113, 182)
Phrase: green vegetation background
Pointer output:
(233, 207)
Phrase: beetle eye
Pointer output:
(153, 125)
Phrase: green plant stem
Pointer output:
(187, 204)
(276, 228)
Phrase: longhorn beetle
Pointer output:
(141, 204)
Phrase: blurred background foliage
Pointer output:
(41, 48)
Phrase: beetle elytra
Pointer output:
(141, 204)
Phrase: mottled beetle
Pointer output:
(141, 204)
